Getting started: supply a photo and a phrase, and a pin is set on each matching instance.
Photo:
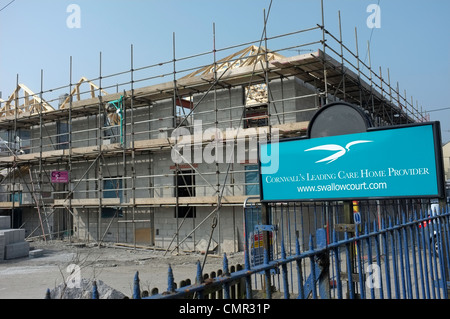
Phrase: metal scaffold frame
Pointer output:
(330, 68)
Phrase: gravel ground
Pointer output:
(29, 278)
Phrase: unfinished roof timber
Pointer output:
(76, 92)
(311, 70)
(246, 57)
(307, 67)
(32, 103)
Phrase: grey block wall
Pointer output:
(228, 232)
(89, 226)
(229, 104)
(221, 108)
(162, 227)
(293, 98)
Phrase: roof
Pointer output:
(32, 103)
(25, 100)
(245, 57)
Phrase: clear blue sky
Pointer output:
(413, 40)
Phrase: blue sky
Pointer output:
(412, 41)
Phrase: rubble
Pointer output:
(85, 291)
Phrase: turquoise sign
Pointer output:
(382, 163)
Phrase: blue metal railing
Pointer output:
(405, 259)
(401, 256)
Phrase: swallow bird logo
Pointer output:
(340, 151)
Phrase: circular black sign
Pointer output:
(338, 118)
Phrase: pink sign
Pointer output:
(60, 176)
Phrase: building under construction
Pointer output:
(95, 160)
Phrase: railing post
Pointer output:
(348, 219)
(419, 254)
(407, 261)
(94, 290)
(170, 280)
(401, 253)
(226, 273)
(199, 279)
(338, 267)
(376, 229)
(369, 258)
(266, 221)
(386, 259)
(248, 279)
(313, 269)
(301, 291)
(267, 276)
(349, 256)
(445, 248)
(324, 264)
(394, 260)
(136, 287)
(362, 287)
(284, 269)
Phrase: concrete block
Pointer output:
(2, 247)
(17, 250)
(13, 235)
(36, 253)
(8, 235)
(5, 222)
(19, 235)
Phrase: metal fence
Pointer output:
(396, 249)
(391, 249)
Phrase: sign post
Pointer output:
(344, 158)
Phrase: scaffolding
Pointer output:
(104, 140)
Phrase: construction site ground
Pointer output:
(29, 278)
